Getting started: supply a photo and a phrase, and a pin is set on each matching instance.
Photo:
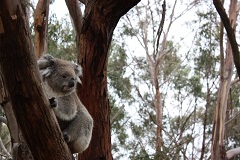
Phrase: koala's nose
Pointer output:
(71, 82)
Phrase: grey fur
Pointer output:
(60, 78)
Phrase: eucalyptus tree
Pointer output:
(151, 69)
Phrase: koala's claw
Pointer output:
(53, 102)
(66, 137)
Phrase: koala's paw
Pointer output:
(66, 137)
(53, 102)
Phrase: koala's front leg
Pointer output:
(53, 102)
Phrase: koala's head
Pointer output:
(60, 77)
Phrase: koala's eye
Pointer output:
(64, 76)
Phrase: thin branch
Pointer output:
(164, 41)
(116, 114)
(233, 82)
(221, 51)
(160, 29)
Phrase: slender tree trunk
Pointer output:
(159, 112)
(205, 123)
(230, 28)
(218, 147)
(21, 79)
(99, 22)
(76, 17)
(41, 27)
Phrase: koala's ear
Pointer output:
(77, 68)
(78, 71)
(45, 64)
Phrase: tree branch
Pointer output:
(115, 116)
(232, 152)
(76, 16)
(230, 33)
(160, 28)
(41, 27)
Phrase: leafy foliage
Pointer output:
(61, 38)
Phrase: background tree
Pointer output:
(218, 146)
(94, 72)
(163, 63)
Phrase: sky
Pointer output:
(59, 7)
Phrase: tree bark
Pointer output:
(230, 28)
(218, 147)
(77, 18)
(21, 79)
(99, 22)
(41, 27)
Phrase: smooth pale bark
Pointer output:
(218, 146)
(232, 152)
(230, 28)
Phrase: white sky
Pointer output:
(59, 7)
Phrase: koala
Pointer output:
(60, 78)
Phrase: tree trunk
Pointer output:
(230, 29)
(100, 19)
(218, 148)
(76, 17)
(159, 118)
(18, 143)
(41, 27)
(20, 76)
